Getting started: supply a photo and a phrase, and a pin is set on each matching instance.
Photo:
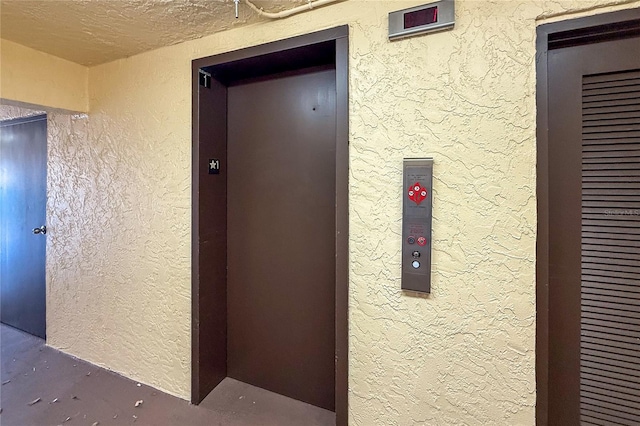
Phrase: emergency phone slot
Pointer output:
(416, 224)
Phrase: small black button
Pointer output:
(415, 254)
(411, 240)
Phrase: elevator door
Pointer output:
(281, 235)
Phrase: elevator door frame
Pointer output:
(208, 320)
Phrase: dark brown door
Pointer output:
(594, 233)
(23, 187)
(281, 235)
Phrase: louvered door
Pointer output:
(594, 234)
(610, 290)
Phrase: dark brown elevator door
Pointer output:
(281, 235)
(594, 234)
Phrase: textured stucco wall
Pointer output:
(119, 212)
(33, 77)
(118, 257)
(9, 112)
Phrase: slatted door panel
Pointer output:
(610, 291)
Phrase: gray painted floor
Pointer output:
(85, 394)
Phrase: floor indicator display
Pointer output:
(416, 224)
(424, 19)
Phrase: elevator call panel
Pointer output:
(416, 224)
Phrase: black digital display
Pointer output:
(421, 17)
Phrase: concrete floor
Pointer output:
(85, 394)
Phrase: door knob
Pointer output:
(41, 230)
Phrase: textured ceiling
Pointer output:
(92, 32)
